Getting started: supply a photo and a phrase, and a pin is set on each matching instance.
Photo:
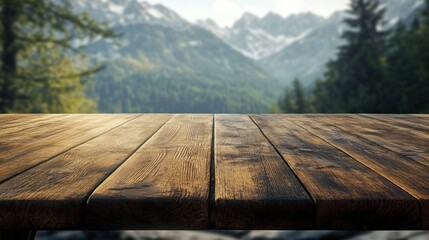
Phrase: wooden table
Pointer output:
(156, 171)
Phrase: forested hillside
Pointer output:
(376, 70)
(166, 64)
(158, 69)
(133, 56)
(300, 45)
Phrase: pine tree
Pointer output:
(294, 101)
(360, 60)
(406, 87)
(326, 94)
(39, 36)
(299, 97)
(352, 79)
(287, 104)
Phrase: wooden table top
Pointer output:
(162, 171)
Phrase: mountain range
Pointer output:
(166, 64)
(261, 37)
(299, 45)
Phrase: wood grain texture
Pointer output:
(404, 121)
(408, 143)
(53, 194)
(15, 119)
(254, 188)
(164, 185)
(42, 125)
(421, 119)
(284, 172)
(348, 195)
(28, 125)
(423, 116)
(21, 151)
(405, 173)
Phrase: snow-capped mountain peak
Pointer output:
(247, 20)
(213, 27)
(126, 12)
(306, 59)
(261, 37)
(271, 17)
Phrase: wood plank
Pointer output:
(407, 143)
(405, 173)
(420, 115)
(52, 195)
(348, 195)
(403, 121)
(9, 118)
(53, 125)
(415, 118)
(5, 118)
(21, 152)
(14, 120)
(164, 185)
(254, 188)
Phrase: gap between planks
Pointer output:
(313, 200)
(370, 129)
(351, 156)
(66, 207)
(172, 175)
(88, 195)
(64, 151)
(403, 122)
(212, 187)
(391, 189)
(419, 191)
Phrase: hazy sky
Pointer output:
(225, 12)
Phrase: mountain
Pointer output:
(261, 37)
(299, 45)
(166, 64)
(127, 12)
(401, 10)
(306, 59)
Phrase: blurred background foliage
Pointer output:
(55, 59)
(41, 69)
(376, 71)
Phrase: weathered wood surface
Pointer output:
(213, 172)
(402, 171)
(10, 129)
(16, 119)
(165, 184)
(51, 195)
(252, 184)
(403, 121)
(333, 178)
(20, 152)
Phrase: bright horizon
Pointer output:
(226, 12)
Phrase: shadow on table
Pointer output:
(232, 235)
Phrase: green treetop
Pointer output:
(40, 42)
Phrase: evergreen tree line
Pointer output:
(43, 67)
(375, 71)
